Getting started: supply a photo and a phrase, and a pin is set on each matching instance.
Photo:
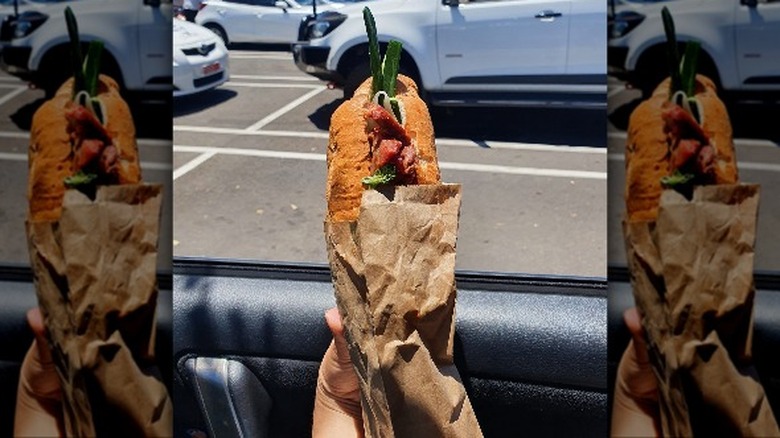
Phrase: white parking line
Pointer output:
(615, 90)
(10, 156)
(260, 56)
(743, 165)
(622, 135)
(275, 78)
(439, 141)
(209, 152)
(285, 109)
(140, 141)
(10, 95)
(192, 164)
(236, 131)
(262, 85)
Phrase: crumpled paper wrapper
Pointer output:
(95, 277)
(692, 276)
(394, 278)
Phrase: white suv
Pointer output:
(136, 35)
(487, 52)
(740, 43)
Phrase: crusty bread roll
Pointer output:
(51, 152)
(349, 154)
(648, 150)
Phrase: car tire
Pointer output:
(56, 65)
(356, 77)
(219, 30)
(362, 71)
(653, 66)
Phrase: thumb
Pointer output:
(35, 321)
(333, 319)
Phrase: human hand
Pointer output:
(635, 405)
(337, 410)
(39, 396)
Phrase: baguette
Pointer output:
(52, 156)
(649, 147)
(349, 156)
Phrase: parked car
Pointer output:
(136, 35)
(258, 21)
(200, 59)
(472, 53)
(739, 48)
(8, 8)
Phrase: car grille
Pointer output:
(202, 82)
(203, 50)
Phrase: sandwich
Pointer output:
(92, 232)
(78, 141)
(382, 135)
(678, 138)
(689, 231)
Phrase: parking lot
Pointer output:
(249, 175)
(17, 105)
(757, 145)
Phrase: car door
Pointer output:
(483, 42)
(587, 52)
(280, 24)
(239, 17)
(154, 42)
(263, 22)
(758, 51)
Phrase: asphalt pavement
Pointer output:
(18, 103)
(249, 175)
(757, 146)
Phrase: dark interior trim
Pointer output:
(320, 272)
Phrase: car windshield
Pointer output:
(250, 171)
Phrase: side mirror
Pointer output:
(152, 3)
(452, 3)
(749, 3)
(281, 5)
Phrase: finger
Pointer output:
(333, 319)
(35, 321)
(634, 323)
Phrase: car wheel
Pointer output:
(654, 69)
(56, 65)
(359, 74)
(356, 77)
(217, 29)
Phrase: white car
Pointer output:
(7, 7)
(258, 21)
(136, 35)
(491, 52)
(740, 43)
(200, 59)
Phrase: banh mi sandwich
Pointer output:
(82, 137)
(382, 135)
(678, 138)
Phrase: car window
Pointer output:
(250, 171)
(18, 103)
(756, 143)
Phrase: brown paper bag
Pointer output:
(394, 278)
(692, 276)
(95, 277)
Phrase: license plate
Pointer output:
(211, 68)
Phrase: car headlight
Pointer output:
(624, 23)
(324, 24)
(28, 22)
(179, 58)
